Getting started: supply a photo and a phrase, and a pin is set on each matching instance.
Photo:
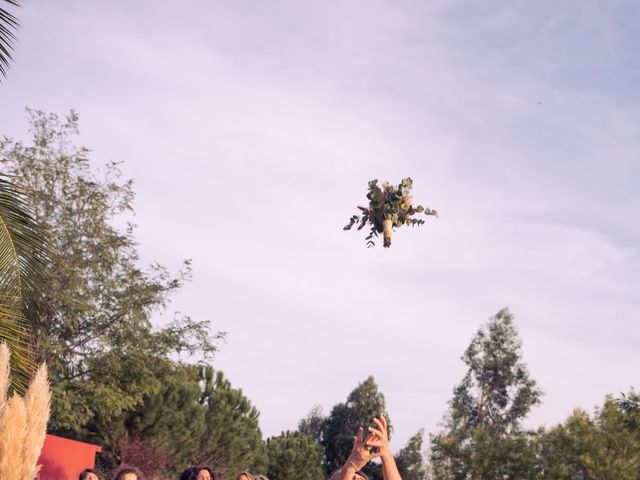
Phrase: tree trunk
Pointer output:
(387, 232)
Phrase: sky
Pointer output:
(252, 128)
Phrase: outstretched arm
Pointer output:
(379, 438)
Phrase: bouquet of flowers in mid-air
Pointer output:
(390, 206)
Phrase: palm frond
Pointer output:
(8, 25)
(24, 261)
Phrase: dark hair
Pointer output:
(85, 472)
(191, 473)
(124, 469)
(362, 474)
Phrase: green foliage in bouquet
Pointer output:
(389, 206)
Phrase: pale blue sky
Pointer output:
(251, 129)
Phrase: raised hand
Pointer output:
(379, 437)
(361, 451)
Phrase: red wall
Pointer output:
(64, 459)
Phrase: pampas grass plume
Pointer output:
(23, 423)
(37, 403)
(4, 374)
(12, 433)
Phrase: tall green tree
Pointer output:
(172, 420)
(232, 441)
(313, 423)
(8, 25)
(294, 456)
(195, 418)
(95, 332)
(605, 446)
(482, 436)
(410, 461)
(169, 418)
(363, 404)
(25, 256)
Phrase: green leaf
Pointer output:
(24, 263)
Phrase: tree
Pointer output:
(8, 24)
(482, 437)
(313, 423)
(409, 459)
(563, 449)
(95, 332)
(152, 461)
(294, 456)
(194, 418)
(171, 420)
(605, 446)
(363, 404)
(25, 256)
(232, 441)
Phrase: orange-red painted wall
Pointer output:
(64, 459)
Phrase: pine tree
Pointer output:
(294, 456)
(232, 441)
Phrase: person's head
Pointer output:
(197, 473)
(260, 477)
(244, 476)
(360, 475)
(189, 474)
(88, 474)
(127, 472)
(205, 473)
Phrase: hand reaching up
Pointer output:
(361, 452)
(379, 437)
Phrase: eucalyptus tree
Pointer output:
(604, 445)
(482, 435)
(364, 403)
(410, 460)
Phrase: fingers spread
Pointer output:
(380, 424)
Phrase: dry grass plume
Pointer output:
(23, 423)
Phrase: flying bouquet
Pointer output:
(389, 207)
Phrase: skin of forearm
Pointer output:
(389, 467)
(345, 473)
